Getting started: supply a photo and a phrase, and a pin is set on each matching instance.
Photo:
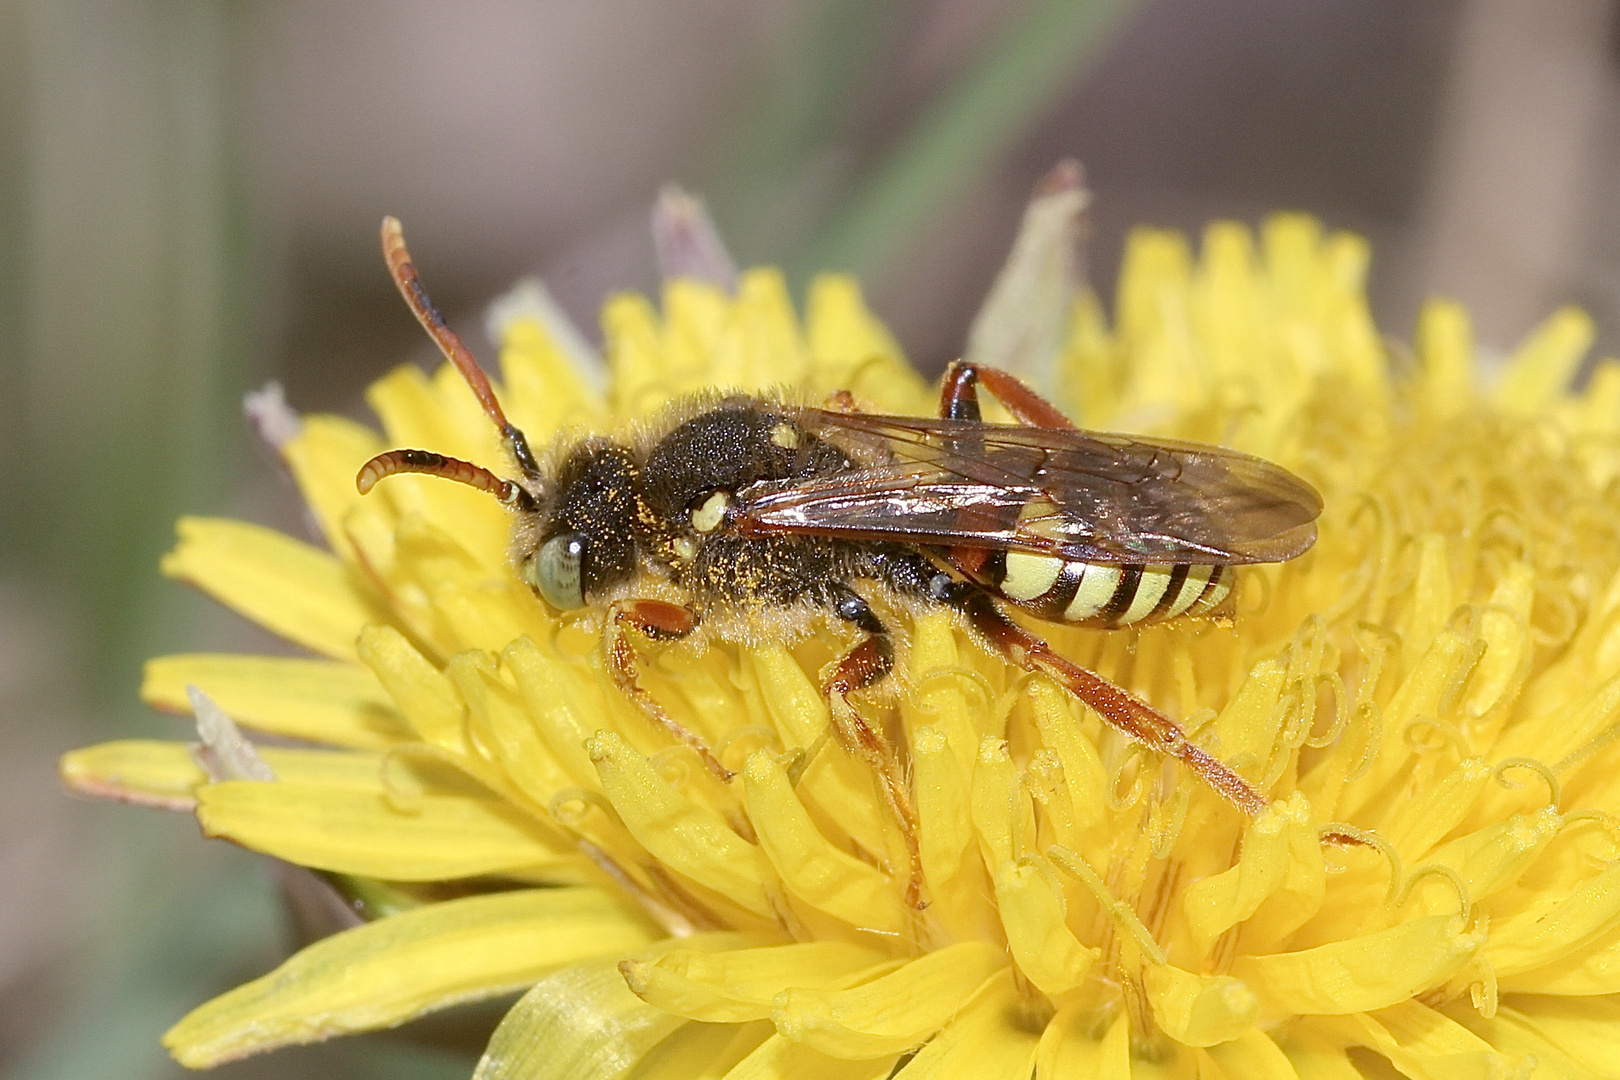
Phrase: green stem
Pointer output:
(972, 123)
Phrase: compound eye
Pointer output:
(559, 571)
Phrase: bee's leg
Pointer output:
(959, 396)
(1115, 705)
(865, 665)
(959, 400)
(654, 620)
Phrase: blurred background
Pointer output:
(189, 199)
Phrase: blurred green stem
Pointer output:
(135, 339)
(962, 133)
(764, 187)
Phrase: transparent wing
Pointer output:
(1074, 494)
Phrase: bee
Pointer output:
(737, 511)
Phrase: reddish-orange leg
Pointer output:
(654, 620)
(959, 397)
(959, 401)
(866, 664)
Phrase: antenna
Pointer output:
(462, 472)
(403, 271)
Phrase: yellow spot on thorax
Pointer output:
(708, 516)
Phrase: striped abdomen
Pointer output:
(1110, 596)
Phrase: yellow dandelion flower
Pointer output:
(1439, 676)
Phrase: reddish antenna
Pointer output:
(403, 271)
(426, 461)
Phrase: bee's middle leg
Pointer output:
(867, 664)
(654, 620)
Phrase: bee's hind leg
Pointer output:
(959, 396)
(1117, 707)
(865, 665)
(654, 620)
(959, 400)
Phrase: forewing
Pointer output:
(1074, 494)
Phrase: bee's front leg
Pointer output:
(865, 665)
(654, 620)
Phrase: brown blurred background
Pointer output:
(189, 196)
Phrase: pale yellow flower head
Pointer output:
(1440, 675)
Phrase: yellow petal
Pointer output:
(988, 1040)
(1526, 942)
(783, 1059)
(423, 694)
(306, 595)
(566, 704)
(958, 886)
(635, 356)
(762, 346)
(164, 774)
(474, 600)
(1280, 855)
(1032, 912)
(1420, 823)
(1426, 1045)
(834, 782)
(506, 729)
(319, 700)
(441, 415)
(324, 457)
(1419, 696)
(140, 771)
(544, 388)
(1588, 971)
(739, 985)
(1445, 348)
(1000, 806)
(701, 1051)
(939, 681)
(1508, 1033)
(1089, 370)
(580, 1024)
(383, 973)
(1251, 1056)
(1586, 1030)
(891, 1013)
(1317, 1056)
(1199, 1010)
(1550, 738)
(1504, 627)
(1068, 1048)
(1541, 369)
(1084, 778)
(855, 352)
(1493, 857)
(810, 867)
(1247, 727)
(355, 831)
(1361, 973)
(685, 836)
(1154, 275)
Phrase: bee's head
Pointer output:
(577, 541)
(583, 540)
